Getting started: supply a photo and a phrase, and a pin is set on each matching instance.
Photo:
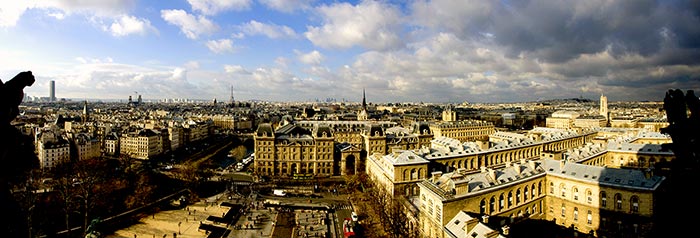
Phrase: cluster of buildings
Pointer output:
(460, 170)
(468, 178)
(63, 133)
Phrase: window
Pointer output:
(563, 211)
(575, 213)
(533, 192)
(618, 201)
(603, 199)
(517, 196)
(589, 196)
(634, 202)
(551, 188)
(510, 199)
(501, 202)
(482, 206)
(563, 190)
(589, 218)
(492, 205)
(525, 191)
(575, 193)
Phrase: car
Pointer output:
(354, 216)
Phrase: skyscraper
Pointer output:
(52, 91)
(604, 106)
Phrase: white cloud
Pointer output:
(190, 25)
(235, 69)
(270, 30)
(220, 46)
(212, 7)
(370, 24)
(57, 15)
(287, 5)
(313, 57)
(12, 11)
(127, 25)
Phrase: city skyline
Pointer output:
(414, 51)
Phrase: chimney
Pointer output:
(485, 219)
(561, 164)
(492, 234)
(435, 176)
(470, 224)
(506, 230)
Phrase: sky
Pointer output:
(397, 51)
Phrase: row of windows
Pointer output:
(506, 201)
(589, 214)
(633, 200)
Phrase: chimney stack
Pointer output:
(470, 224)
(485, 219)
(436, 175)
(506, 230)
(562, 162)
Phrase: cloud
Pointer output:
(127, 25)
(287, 6)
(235, 69)
(112, 80)
(12, 11)
(220, 46)
(190, 25)
(270, 30)
(213, 7)
(313, 57)
(370, 24)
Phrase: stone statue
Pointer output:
(16, 154)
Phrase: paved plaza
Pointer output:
(239, 217)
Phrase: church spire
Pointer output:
(364, 100)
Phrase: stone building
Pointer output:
(591, 199)
(464, 131)
(142, 144)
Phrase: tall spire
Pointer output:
(364, 100)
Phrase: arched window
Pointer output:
(603, 199)
(618, 201)
(634, 204)
(501, 202)
(575, 190)
(551, 187)
(517, 196)
(525, 191)
(482, 206)
(562, 188)
(589, 196)
(492, 205)
(510, 199)
(534, 195)
(539, 189)
(575, 213)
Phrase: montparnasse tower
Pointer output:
(604, 106)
